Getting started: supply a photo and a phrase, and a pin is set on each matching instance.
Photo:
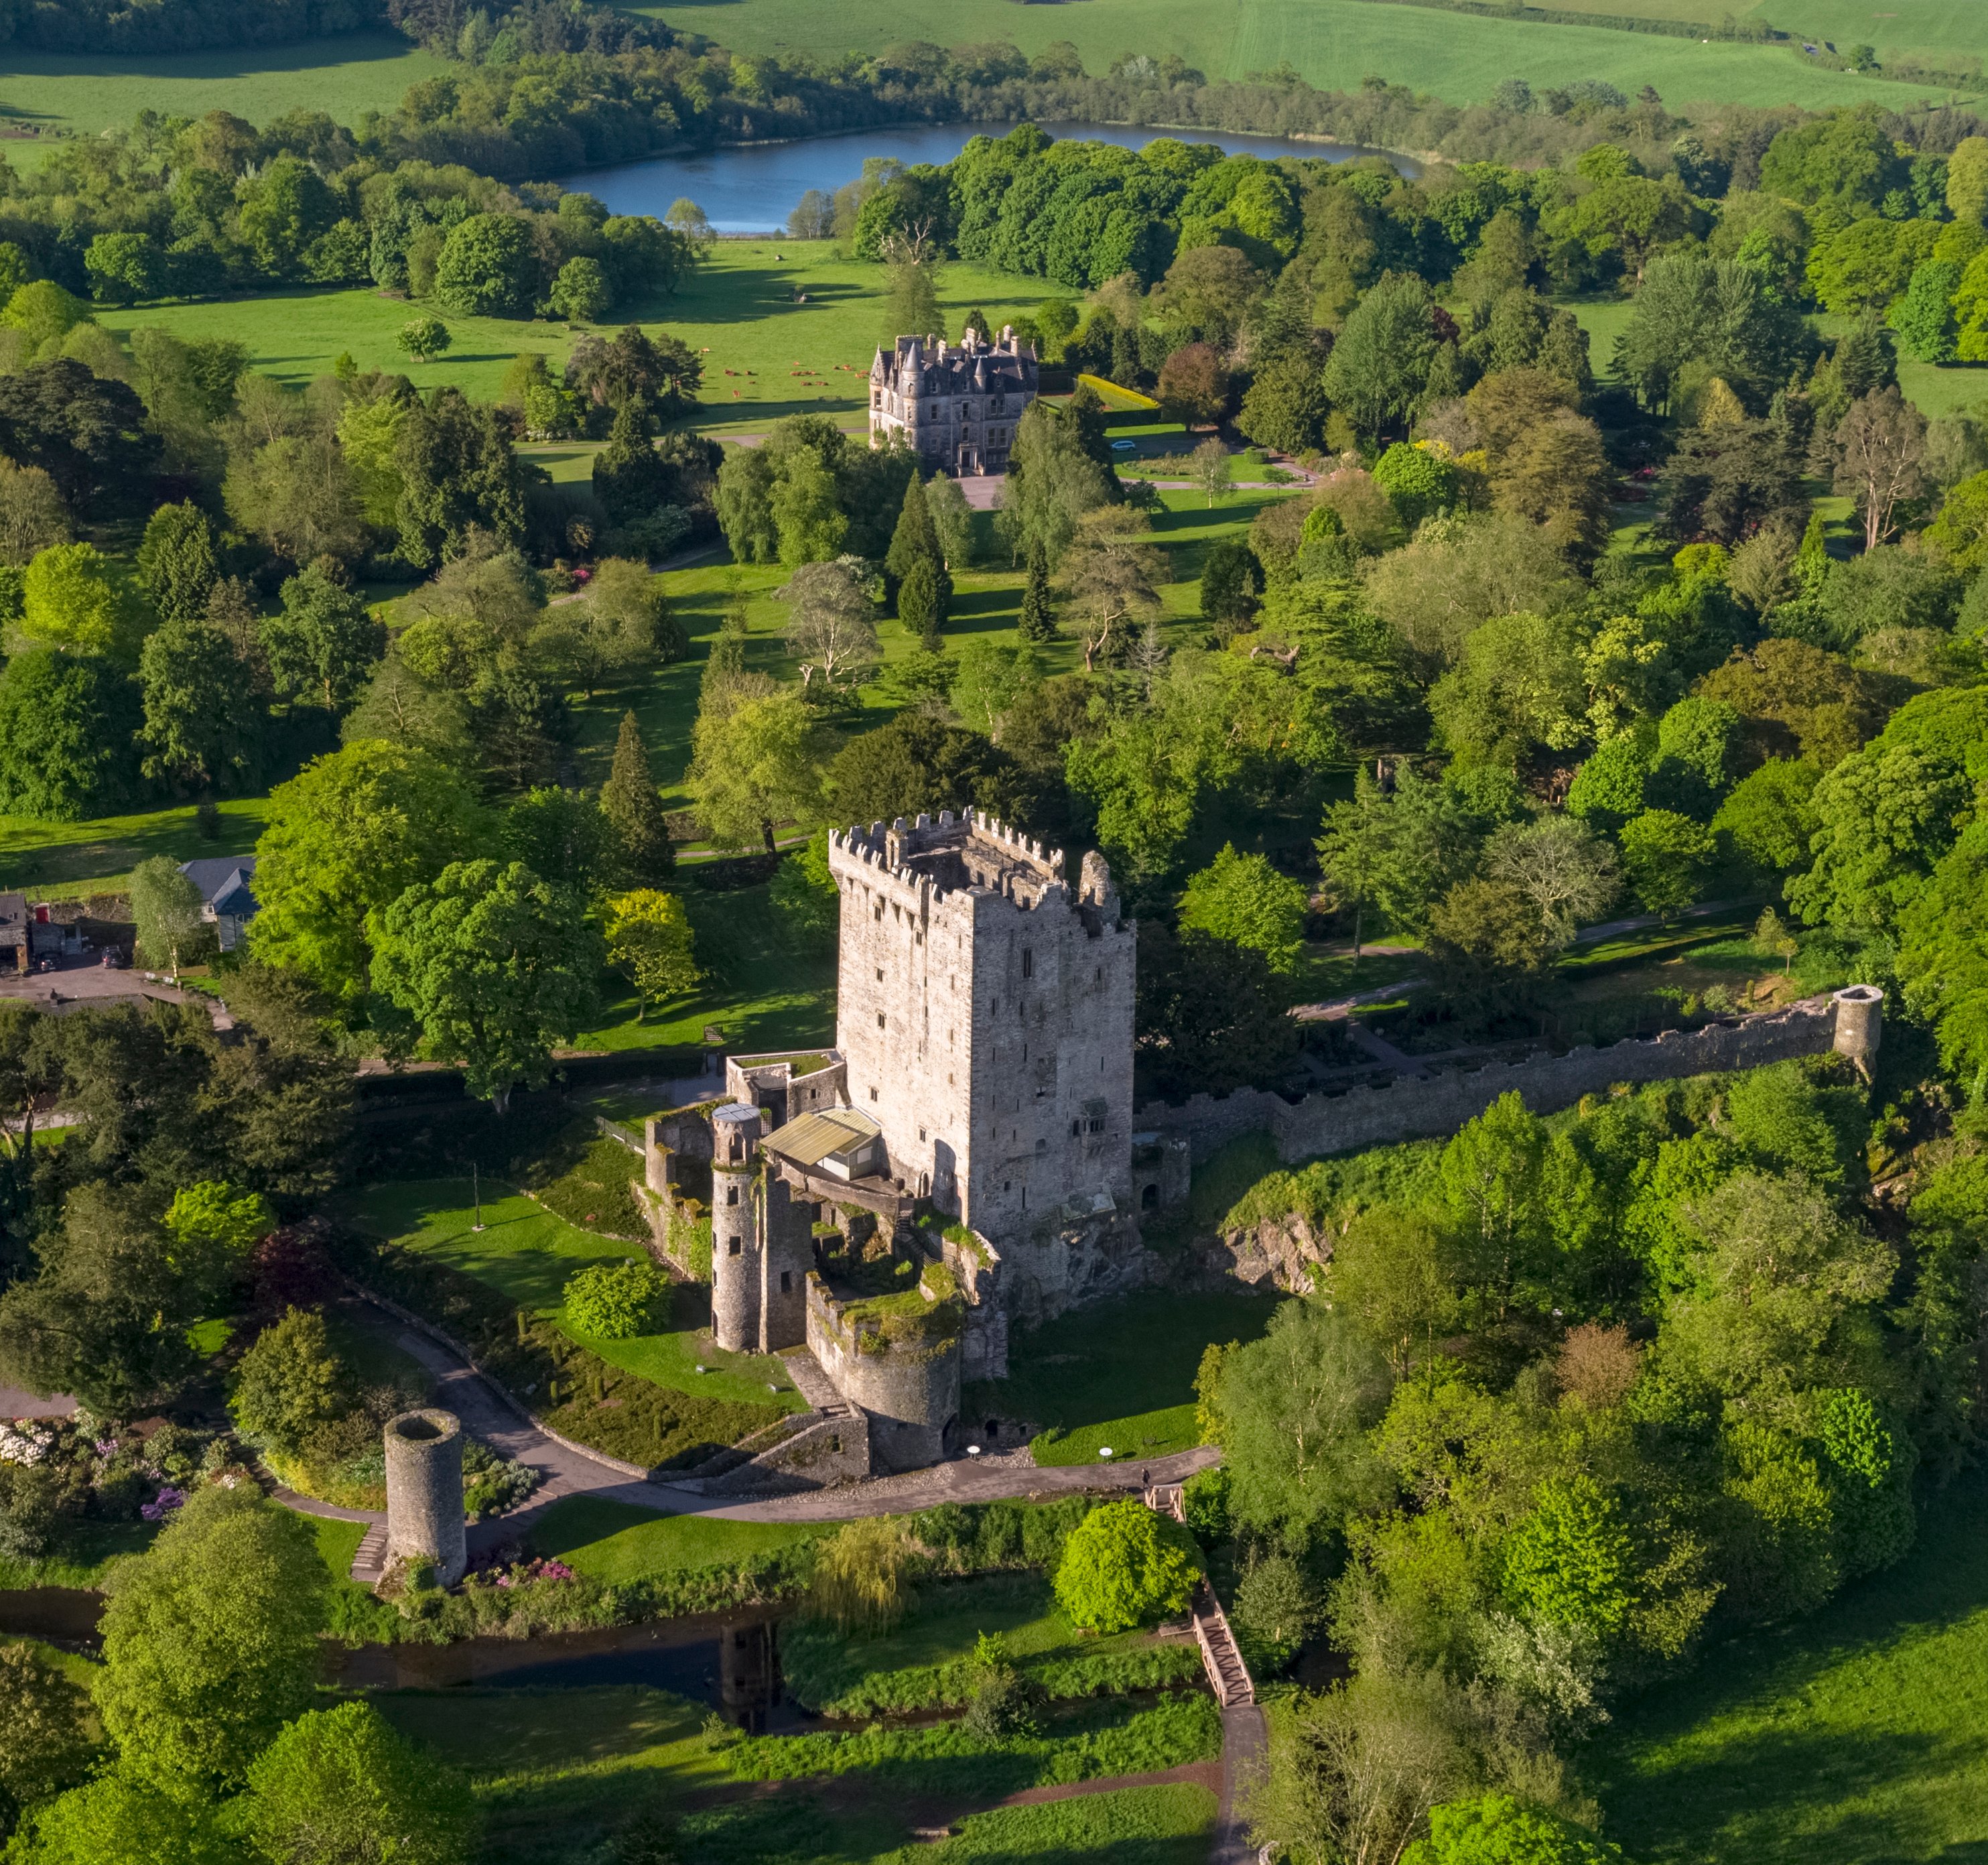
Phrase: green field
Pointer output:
(1860, 1734)
(739, 310)
(613, 1542)
(341, 77)
(1925, 29)
(1334, 43)
(1118, 1372)
(61, 858)
(526, 1252)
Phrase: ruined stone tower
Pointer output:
(425, 1492)
(985, 1020)
(760, 1251)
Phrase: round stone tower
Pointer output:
(1859, 1023)
(425, 1492)
(735, 1242)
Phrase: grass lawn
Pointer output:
(1334, 43)
(855, 1676)
(529, 1253)
(1137, 1826)
(1118, 1372)
(558, 1772)
(86, 1550)
(60, 859)
(1853, 1736)
(613, 1541)
(89, 92)
(764, 355)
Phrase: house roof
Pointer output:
(812, 1137)
(13, 909)
(225, 881)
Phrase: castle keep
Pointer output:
(956, 404)
(964, 1156)
(984, 1015)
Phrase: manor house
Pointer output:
(957, 404)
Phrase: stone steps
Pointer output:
(369, 1562)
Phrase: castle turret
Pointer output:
(1860, 1018)
(736, 1242)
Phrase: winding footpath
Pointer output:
(565, 1469)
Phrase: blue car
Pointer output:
(1124, 446)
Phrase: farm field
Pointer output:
(1333, 43)
(341, 77)
(1924, 29)
(1855, 1735)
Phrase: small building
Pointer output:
(227, 894)
(957, 404)
(28, 934)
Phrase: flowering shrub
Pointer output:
(163, 1505)
(24, 1444)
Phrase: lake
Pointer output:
(754, 188)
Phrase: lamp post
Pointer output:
(476, 1194)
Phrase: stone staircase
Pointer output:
(1228, 1675)
(369, 1563)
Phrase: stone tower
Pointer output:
(1860, 1021)
(984, 1015)
(761, 1245)
(425, 1492)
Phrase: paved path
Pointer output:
(1245, 1757)
(566, 1470)
(16, 1403)
(81, 981)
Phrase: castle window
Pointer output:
(880, 974)
(872, 1094)
(922, 1133)
(787, 1281)
(734, 1249)
(879, 1020)
(732, 1194)
(1074, 1129)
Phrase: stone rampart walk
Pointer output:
(566, 1470)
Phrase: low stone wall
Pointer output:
(1422, 1108)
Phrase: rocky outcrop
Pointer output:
(1283, 1253)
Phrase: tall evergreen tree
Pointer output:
(1038, 620)
(629, 479)
(924, 600)
(633, 809)
(176, 562)
(915, 536)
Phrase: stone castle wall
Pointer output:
(1411, 1109)
(910, 1388)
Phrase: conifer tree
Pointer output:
(1038, 621)
(629, 479)
(915, 536)
(925, 599)
(633, 809)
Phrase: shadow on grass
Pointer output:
(1857, 1735)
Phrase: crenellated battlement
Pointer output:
(932, 858)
